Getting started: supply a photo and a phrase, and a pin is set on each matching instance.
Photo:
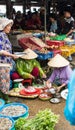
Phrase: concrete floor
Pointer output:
(36, 104)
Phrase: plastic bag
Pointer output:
(58, 37)
(69, 110)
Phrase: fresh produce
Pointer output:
(45, 96)
(44, 120)
(44, 51)
(5, 123)
(13, 110)
(30, 90)
(20, 123)
(38, 41)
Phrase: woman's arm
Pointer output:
(5, 53)
(51, 79)
(19, 68)
(36, 64)
(68, 72)
(72, 28)
(70, 32)
(60, 87)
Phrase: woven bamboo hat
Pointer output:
(29, 54)
(58, 61)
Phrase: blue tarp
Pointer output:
(69, 110)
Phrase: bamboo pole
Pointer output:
(45, 29)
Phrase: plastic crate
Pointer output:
(55, 43)
(42, 56)
(38, 35)
(38, 42)
(67, 50)
(55, 52)
(28, 43)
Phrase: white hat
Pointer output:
(4, 22)
(58, 61)
(29, 54)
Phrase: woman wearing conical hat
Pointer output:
(28, 67)
(61, 74)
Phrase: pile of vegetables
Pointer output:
(44, 120)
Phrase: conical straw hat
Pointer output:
(58, 61)
(29, 54)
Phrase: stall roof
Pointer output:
(20, 2)
(35, 1)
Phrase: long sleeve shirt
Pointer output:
(63, 74)
(25, 67)
(6, 46)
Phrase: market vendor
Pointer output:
(55, 26)
(68, 25)
(61, 73)
(28, 67)
(6, 57)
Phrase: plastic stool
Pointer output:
(27, 81)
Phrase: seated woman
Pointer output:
(28, 67)
(61, 73)
(55, 25)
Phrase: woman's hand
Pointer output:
(48, 84)
(15, 56)
(44, 76)
(58, 89)
(31, 76)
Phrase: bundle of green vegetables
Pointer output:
(44, 120)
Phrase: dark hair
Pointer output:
(68, 9)
(53, 16)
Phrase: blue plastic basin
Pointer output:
(2, 102)
(9, 119)
(17, 104)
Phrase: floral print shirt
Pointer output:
(5, 45)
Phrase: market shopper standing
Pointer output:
(5, 57)
(68, 26)
(55, 24)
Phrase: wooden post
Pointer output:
(24, 6)
(48, 6)
(45, 29)
(9, 7)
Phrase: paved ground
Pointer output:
(36, 105)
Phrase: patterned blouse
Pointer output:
(5, 45)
